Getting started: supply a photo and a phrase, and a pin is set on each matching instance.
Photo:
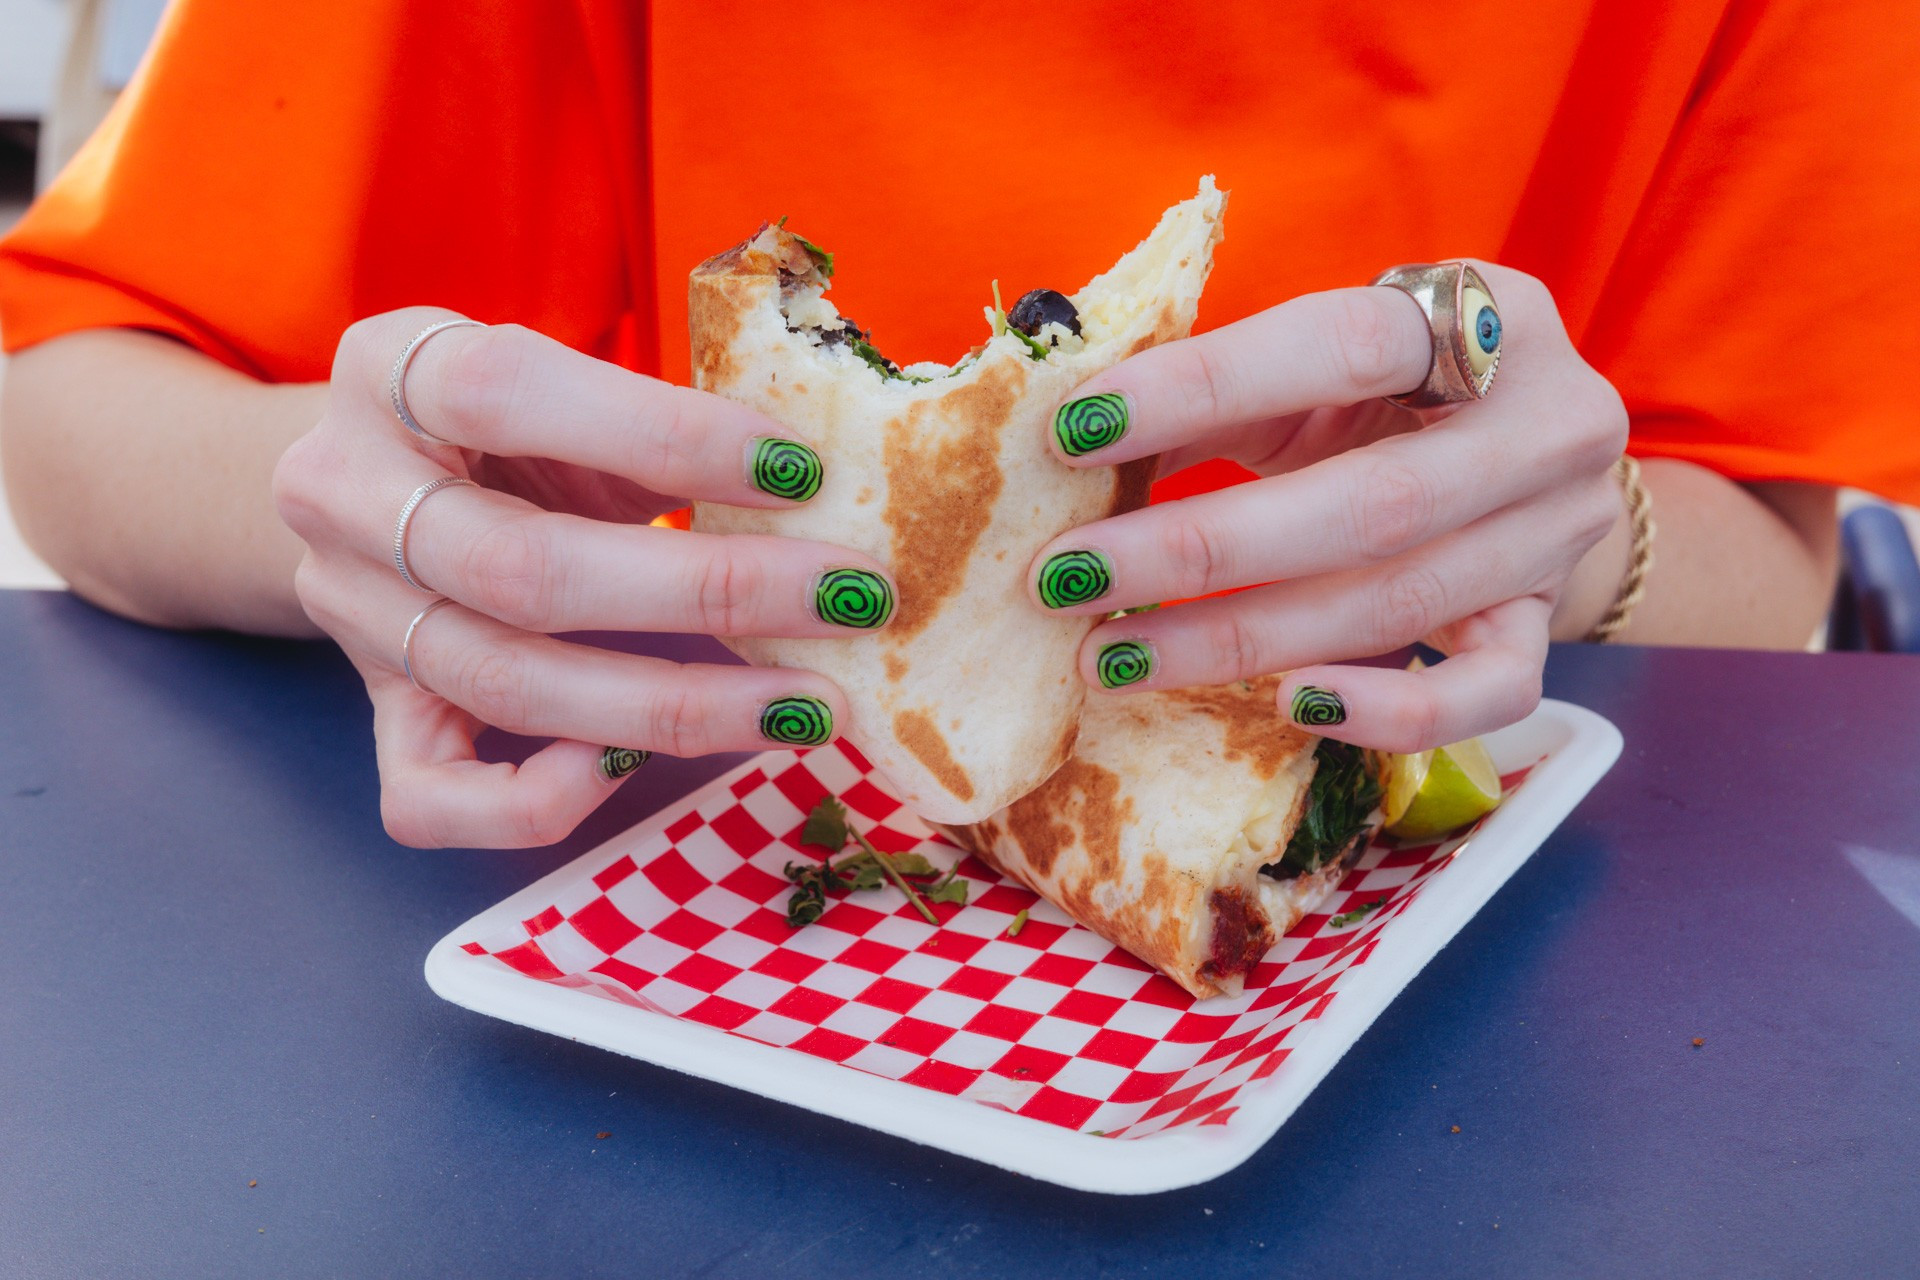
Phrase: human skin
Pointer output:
(145, 473)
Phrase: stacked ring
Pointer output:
(397, 380)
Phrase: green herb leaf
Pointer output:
(826, 826)
(822, 260)
(1019, 923)
(913, 864)
(809, 897)
(1036, 349)
(954, 891)
(1139, 608)
(1359, 913)
(1342, 797)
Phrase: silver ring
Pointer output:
(406, 518)
(406, 645)
(397, 380)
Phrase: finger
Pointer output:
(506, 390)
(1333, 617)
(1333, 348)
(1354, 509)
(542, 687)
(539, 571)
(435, 793)
(1491, 681)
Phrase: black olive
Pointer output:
(1041, 307)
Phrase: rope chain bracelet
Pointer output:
(1640, 562)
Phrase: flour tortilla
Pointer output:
(971, 697)
(1154, 832)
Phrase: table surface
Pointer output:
(211, 978)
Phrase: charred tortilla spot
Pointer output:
(1166, 327)
(1255, 729)
(1088, 798)
(920, 735)
(895, 664)
(940, 493)
(714, 324)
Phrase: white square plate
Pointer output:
(1049, 1053)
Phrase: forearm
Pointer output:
(1739, 566)
(142, 471)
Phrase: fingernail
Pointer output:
(1075, 577)
(853, 598)
(1091, 422)
(1124, 662)
(1316, 707)
(617, 762)
(798, 721)
(784, 468)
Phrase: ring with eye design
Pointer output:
(1465, 323)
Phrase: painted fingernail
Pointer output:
(1317, 707)
(1124, 662)
(785, 469)
(853, 598)
(798, 721)
(617, 762)
(1091, 422)
(1075, 577)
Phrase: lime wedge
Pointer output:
(1433, 793)
(1403, 776)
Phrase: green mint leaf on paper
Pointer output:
(867, 875)
(954, 891)
(1019, 923)
(826, 826)
(1359, 913)
(913, 864)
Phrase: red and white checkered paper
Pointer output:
(1055, 1024)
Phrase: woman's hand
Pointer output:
(570, 457)
(1373, 526)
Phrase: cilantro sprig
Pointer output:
(827, 828)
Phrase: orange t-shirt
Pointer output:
(1724, 196)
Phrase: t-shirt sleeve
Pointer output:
(1761, 319)
(275, 172)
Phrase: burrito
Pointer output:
(1192, 827)
(970, 697)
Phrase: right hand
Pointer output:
(570, 458)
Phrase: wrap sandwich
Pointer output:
(1192, 827)
(970, 697)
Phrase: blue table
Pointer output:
(210, 977)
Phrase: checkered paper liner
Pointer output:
(686, 917)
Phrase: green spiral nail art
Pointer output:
(853, 598)
(1092, 422)
(1075, 577)
(786, 469)
(798, 721)
(617, 762)
(1124, 662)
(1317, 707)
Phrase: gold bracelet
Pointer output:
(1634, 585)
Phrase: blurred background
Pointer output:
(63, 63)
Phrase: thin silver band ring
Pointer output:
(397, 380)
(406, 645)
(406, 519)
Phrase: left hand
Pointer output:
(1373, 526)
